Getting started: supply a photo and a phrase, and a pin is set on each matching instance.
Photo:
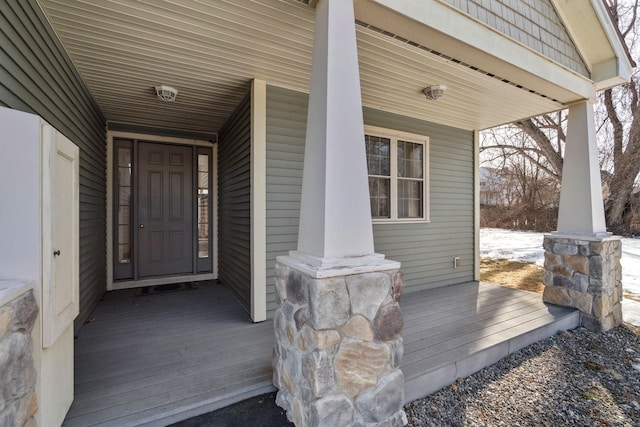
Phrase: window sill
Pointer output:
(400, 221)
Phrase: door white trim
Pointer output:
(111, 285)
(258, 201)
(476, 205)
(154, 281)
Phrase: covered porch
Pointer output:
(161, 358)
(295, 180)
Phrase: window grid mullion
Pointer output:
(393, 148)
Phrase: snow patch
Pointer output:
(526, 246)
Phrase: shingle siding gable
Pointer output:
(534, 23)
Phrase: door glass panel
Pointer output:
(203, 180)
(125, 196)
(124, 176)
(124, 215)
(203, 205)
(203, 163)
(124, 157)
(123, 205)
(124, 254)
(124, 232)
(203, 240)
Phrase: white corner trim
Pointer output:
(258, 200)
(109, 207)
(214, 233)
(476, 205)
(157, 138)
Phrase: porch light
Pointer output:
(166, 93)
(434, 92)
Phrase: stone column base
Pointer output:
(338, 347)
(585, 273)
(18, 316)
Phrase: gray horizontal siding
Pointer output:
(37, 76)
(425, 250)
(286, 128)
(234, 203)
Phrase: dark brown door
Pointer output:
(165, 211)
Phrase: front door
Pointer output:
(165, 210)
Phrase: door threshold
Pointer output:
(130, 284)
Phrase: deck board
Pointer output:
(156, 359)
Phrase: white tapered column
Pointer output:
(582, 261)
(335, 217)
(581, 204)
(338, 327)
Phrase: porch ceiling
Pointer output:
(210, 51)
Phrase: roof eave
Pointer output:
(603, 49)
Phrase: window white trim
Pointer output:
(394, 136)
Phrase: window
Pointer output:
(204, 208)
(124, 205)
(398, 175)
(203, 205)
(123, 212)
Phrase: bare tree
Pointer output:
(622, 127)
(525, 179)
(618, 121)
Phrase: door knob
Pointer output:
(56, 253)
(141, 225)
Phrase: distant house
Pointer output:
(209, 186)
(494, 190)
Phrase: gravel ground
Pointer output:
(576, 378)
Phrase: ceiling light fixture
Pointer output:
(166, 93)
(434, 92)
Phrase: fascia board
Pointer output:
(608, 68)
(447, 28)
(625, 65)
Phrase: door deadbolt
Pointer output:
(141, 225)
(56, 253)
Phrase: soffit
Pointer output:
(210, 51)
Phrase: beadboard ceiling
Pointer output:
(210, 51)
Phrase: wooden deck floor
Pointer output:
(158, 359)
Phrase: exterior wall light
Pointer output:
(434, 92)
(166, 93)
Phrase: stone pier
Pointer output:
(585, 273)
(338, 347)
(18, 398)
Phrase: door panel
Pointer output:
(165, 211)
(60, 286)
